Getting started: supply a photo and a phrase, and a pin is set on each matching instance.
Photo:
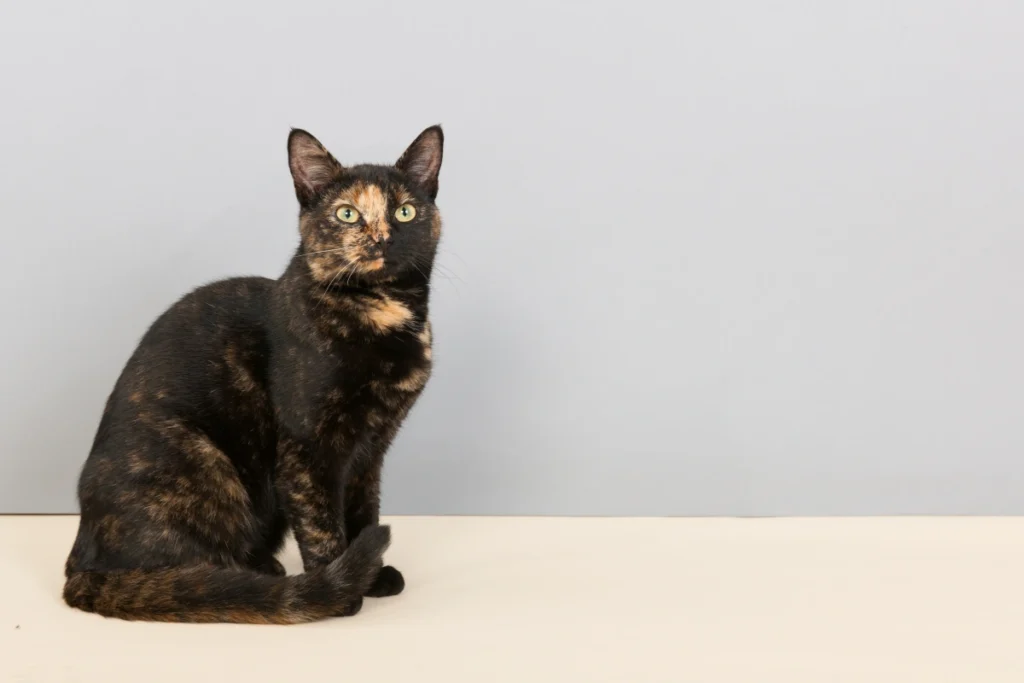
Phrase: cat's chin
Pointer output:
(381, 272)
(377, 272)
(361, 281)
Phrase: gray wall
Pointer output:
(738, 258)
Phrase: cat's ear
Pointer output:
(313, 168)
(422, 161)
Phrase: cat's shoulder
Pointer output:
(233, 288)
(234, 303)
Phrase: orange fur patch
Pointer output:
(385, 314)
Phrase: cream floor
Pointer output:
(625, 600)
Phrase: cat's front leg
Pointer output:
(310, 485)
(362, 505)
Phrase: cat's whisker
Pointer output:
(351, 274)
(449, 251)
(420, 271)
(448, 272)
(323, 295)
(453, 284)
(438, 264)
(350, 268)
(323, 251)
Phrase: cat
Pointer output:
(253, 406)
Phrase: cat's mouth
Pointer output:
(367, 270)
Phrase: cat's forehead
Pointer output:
(369, 180)
(372, 197)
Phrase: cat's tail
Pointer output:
(219, 594)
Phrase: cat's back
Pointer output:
(188, 415)
(219, 326)
(212, 311)
(202, 364)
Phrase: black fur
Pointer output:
(252, 406)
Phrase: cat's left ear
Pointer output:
(422, 161)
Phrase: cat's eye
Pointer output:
(405, 213)
(347, 214)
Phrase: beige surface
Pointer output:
(506, 599)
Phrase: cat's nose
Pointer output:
(380, 242)
(380, 238)
(378, 231)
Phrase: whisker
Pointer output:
(351, 274)
(448, 273)
(420, 271)
(441, 274)
(322, 251)
(323, 295)
(350, 270)
(448, 251)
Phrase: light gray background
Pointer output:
(740, 257)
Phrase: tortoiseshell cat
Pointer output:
(252, 406)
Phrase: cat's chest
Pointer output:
(405, 367)
(384, 375)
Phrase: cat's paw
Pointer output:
(351, 608)
(388, 582)
(270, 566)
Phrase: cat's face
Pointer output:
(367, 224)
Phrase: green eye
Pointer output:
(347, 214)
(405, 213)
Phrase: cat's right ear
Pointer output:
(313, 168)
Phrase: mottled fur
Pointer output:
(253, 406)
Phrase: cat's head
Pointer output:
(367, 224)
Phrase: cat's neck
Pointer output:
(343, 306)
